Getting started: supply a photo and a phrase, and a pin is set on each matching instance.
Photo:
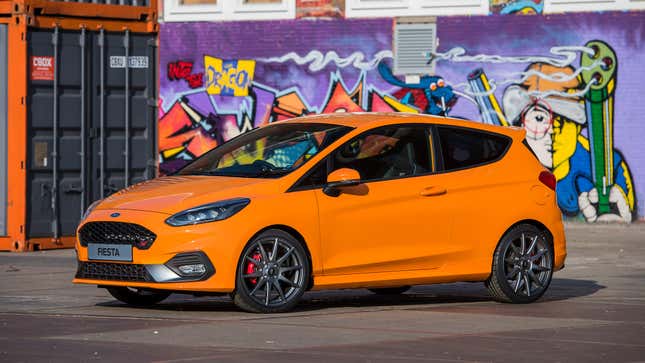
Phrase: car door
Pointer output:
(394, 220)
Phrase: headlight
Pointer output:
(90, 209)
(208, 212)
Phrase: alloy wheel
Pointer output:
(528, 264)
(273, 272)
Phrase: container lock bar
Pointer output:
(126, 100)
(101, 44)
(54, 155)
(83, 120)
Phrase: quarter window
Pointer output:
(463, 148)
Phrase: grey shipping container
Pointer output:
(91, 121)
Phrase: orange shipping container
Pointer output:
(78, 88)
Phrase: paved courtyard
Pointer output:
(594, 311)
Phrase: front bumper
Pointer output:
(217, 245)
(176, 269)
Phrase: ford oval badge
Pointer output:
(114, 215)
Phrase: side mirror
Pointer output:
(337, 179)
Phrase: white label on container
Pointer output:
(118, 61)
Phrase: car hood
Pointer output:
(174, 194)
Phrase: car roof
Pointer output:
(367, 120)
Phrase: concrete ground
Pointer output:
(594, 311)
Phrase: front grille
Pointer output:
(117, 233)
(112, 271)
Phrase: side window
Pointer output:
(462, 148)
(385, 153)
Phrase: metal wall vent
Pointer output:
(412, 41)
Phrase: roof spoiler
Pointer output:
(517, 133)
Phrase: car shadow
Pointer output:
(439, 294)
(564, 289)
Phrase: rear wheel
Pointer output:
(137, 297)
(522, 265)
(390, 290)
(272, 274)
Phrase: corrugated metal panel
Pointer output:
(3, 128)
(131, 11)
(91, 120)
(411, 42)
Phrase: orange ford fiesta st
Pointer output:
(377, 201)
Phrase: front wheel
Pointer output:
(272, 274)
(522, 266)
(137, 297)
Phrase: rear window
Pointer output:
(465, 148)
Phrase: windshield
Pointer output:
(267, 152)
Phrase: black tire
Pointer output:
(390, 290)
(137, 297)
(284, 270)
(521, 271)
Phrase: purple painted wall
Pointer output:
(538, 72)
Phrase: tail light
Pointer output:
(547, 178)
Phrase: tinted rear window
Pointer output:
(463, 148)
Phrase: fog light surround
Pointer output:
(192, 270)
(191, 266)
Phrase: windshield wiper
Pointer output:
(271, 172)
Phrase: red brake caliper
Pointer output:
(251, 267)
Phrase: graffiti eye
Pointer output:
(441, 83)
(433, 86)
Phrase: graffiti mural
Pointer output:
(438, 97)
(228, 77)
(195, 123)
(564, 89)
(182, 70)
(320, 8)
(523, 7)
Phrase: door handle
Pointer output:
(432, 191)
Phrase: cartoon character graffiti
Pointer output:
(549, 105)
(523, 7)
(439, 97)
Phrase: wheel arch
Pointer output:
(539, 225)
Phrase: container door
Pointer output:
(123, 116)
(3, 128)
(81, 107)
